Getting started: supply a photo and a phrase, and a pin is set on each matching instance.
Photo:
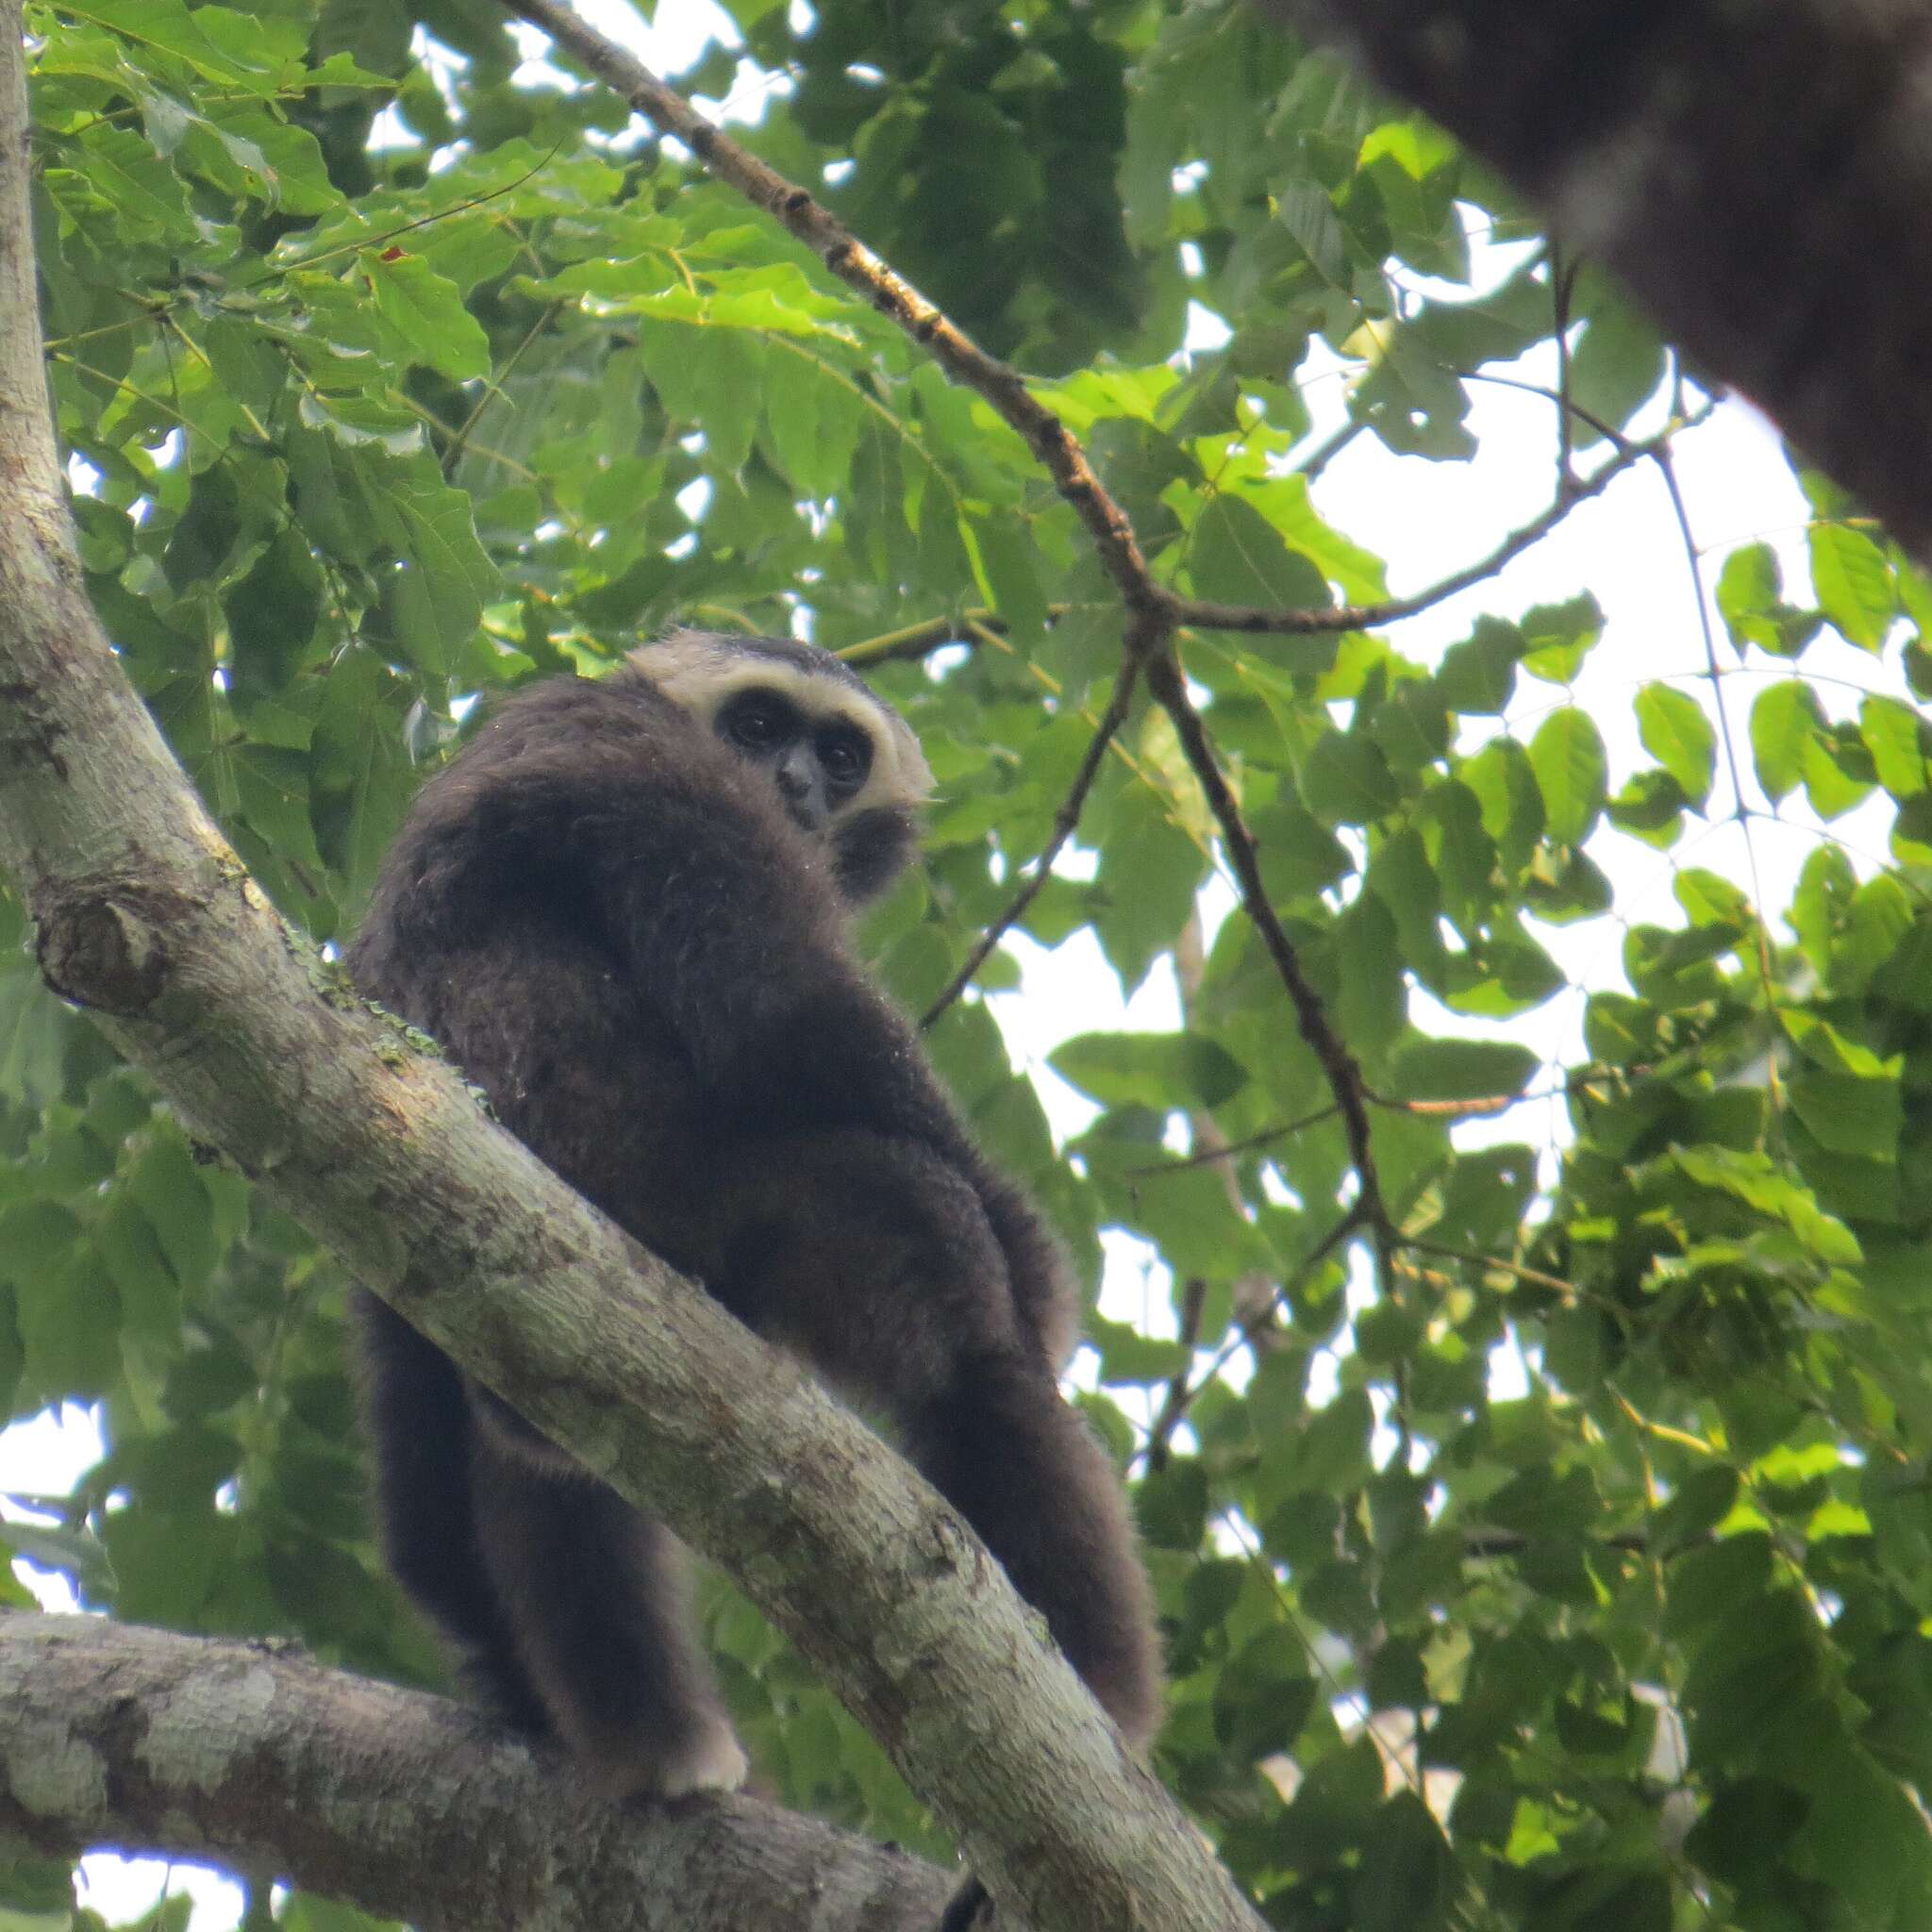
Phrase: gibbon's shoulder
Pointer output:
(567, 768)
(581, 723)
(576, 745)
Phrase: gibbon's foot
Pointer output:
(709, 1760)
(969, 1909)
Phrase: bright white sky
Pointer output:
(1431, 519)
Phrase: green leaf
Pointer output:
(1263, 1695)
(816, 417)
(1897, 740)
(1406, 1868)
(1561, 635)
(36, 1238)
(1149, 871)
(1752, 1179)
(1461, 1070)
(1160, 1071)
(1747, 1828)
(1236, 557)
(1785, 718)
(1188, 1215)
(1617, 363)
(1127, 1355)
(1850, 1115)
(1478, 675)
(1651, 807)
(436, 600)
(1346, 781)
(1504, 780)
(120, 168)
(1677, 734)
(1571, 769)
(427, 312)
(1750, 598)
(359, 774)
(1839, 774)
(1853, 583)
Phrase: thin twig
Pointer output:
(1344, 1077)
(1562, 287)
(1246, 1145)
(914, 641)
(1251, 1325)
(1194, 1300)
(460, 441)
(1064, 822)
(1259, 620)
(1329, 449)
(1254, 1291)
(1734, 767)
(1530, 1278)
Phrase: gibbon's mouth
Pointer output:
(806, 817)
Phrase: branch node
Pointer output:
(102, 950)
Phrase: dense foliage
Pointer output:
(395, 375)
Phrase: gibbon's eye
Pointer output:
(758, 721)
(847, 755)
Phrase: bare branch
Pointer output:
(1247, 1144)
(256, 1756)
(1173, 1404)
(914, 641)
(1255, 1292)
(1252, 1331)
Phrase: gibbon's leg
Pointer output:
(1021, 1466)
(595, 1597)
(417, 1418)
(874, 1259)
(968, 1909)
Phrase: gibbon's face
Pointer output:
(843, 763)
(819, 763)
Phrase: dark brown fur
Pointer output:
(608, 921)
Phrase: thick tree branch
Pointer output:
(409, 1806)
(144, 917)
(1758, 175)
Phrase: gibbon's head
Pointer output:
(846, 766)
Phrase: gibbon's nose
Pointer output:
(802, 785)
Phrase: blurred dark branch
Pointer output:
(1174, 1404)
(1253, 1330)
(1758, 177)
(1248, 1143)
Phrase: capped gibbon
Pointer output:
(624, 911)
